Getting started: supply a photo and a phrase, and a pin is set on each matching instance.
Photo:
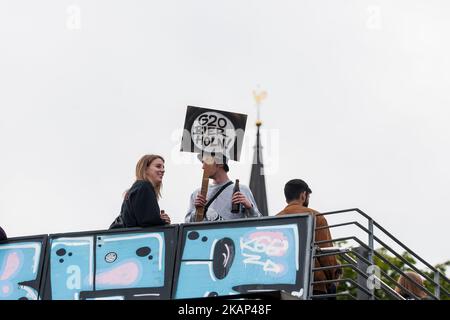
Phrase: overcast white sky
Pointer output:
(358, 105)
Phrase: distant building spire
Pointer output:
(257, 179)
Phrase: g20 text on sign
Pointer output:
(213, 131)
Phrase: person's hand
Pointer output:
(200, 201)
(165, 217)
(239, 197)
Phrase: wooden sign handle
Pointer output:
(200, 212)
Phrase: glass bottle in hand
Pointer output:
(236, 207)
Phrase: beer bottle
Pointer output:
(236, 207)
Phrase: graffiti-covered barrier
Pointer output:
(171, 262)
(111, 265)
(232, 257)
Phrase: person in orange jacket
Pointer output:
(297, 194)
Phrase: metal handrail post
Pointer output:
(437, 289)
(371, 252)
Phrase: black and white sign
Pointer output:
(213, 131)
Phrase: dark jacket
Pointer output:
(320, 235)
(2, 234)
(140, 207)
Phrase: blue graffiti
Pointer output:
(213, 260)
(141, 256)
(86, 265)
(19, 270)
(72, 267)
(216, 261)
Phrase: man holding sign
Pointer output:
(219, 198)
(217, 136)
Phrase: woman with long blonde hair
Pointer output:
(140, 205)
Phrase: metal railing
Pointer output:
(362, 260)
